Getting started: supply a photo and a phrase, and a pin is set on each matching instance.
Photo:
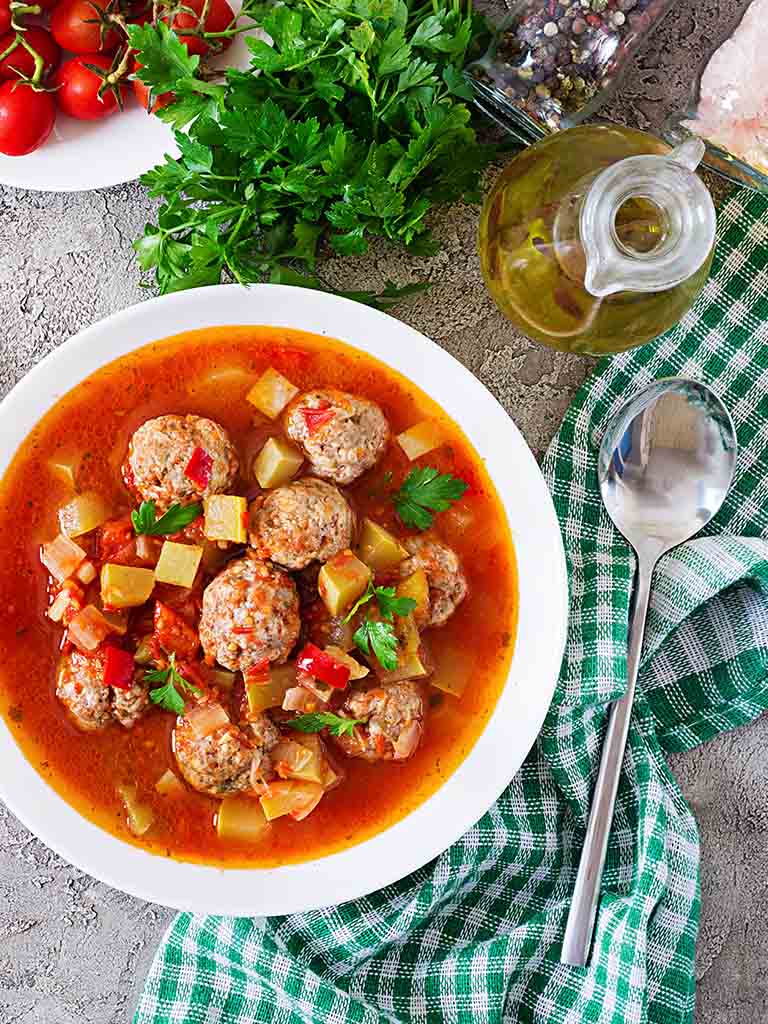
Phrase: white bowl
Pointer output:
(517, 719)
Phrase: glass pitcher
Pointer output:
(598, 239)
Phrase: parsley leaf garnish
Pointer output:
(145, 519)
(387, 600)
(390, 604)
(352, 125)
(335, 724)
(379, 637)
(167, 695)
(424, 491)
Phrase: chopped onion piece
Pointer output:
(169, 784)
(87, 572)
(356, 670)
(59, 605)
(83, 514)
(241, 818)
(61, 557)
(422, 438)
(88, 629)
(140, 816)
(291, 797)
(407, 741)
(297, 698)
(293, 760)
(206, 718)
(65, 468)
(330, 774)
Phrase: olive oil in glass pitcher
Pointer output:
(598, 239)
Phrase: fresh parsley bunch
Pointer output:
(352, 125)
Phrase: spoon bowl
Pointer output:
(665, 466)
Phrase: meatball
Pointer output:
(393, 717)
(129, 705)
(341, 435)
(447, 582)
(250, 614)
(306, 521)
(223, 761)
(92, 705)
(159, 453)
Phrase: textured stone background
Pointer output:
(73, 951)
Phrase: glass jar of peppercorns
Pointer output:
(552, 63)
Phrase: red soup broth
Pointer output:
(209, 372)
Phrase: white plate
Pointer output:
(517, 719)
(83, 155)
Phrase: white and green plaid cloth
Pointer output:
(475, 935)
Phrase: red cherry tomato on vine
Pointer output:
(78, 88)
(5, 16)
(75, 27)
(141, 92)
(220, 17)
(21, 63)
(26, 118)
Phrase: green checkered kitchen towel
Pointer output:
(475, 935)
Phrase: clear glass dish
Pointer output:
(553, 63)
(729, 103)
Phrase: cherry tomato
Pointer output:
(45, 5)
(141, 93)
(21, 62)
(220, 16)
(26, 118)
(78, 89)
(5, 16)
(75, 27)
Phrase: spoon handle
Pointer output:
(586, 893)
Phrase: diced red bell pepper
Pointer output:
(258, 673)
(118, 668)
(199, 468)
(323, 666)
(318, 416)
(173, 633)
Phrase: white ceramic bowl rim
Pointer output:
(517, 719)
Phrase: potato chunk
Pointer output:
(416, 587)
(261, 696)
(241, 818)
(271, 393)
(178, 563)
(140, 815)
(341, 581)
(379, 548)
(277, 463)
(83, 514)
(225, 518)
(423, 437)
(123, 586)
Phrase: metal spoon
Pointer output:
(665, 466)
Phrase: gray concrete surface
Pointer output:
(73, 951)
